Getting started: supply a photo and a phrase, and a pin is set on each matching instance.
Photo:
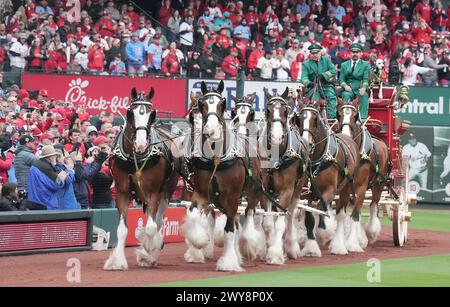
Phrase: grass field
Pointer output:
(417, 271)
(413, 271)
(436, 220)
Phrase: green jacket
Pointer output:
(360, 76)
(311, 70)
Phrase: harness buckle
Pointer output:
(329, 157)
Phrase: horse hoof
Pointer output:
(147, 264)
(311, 249)
(224, 265)
(354, 247)
(193, 255)
(115, 264)
(338, 248)
(293, 251)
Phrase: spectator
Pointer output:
(135, 53)
(394, 70)
(293, 51)
(253, 59)
(207, 64)
(154, 52)
(172, 60)
(66, 196)
(115, 14)
(266, 65)
(96, 57)
(174, 25)
(231, 64)
(6, 156)
(439, 17)
(424, 10)
(18, 52)
(44, 182)
(74, 142)
(187, 34)
(165, 12)
(296, 67)
(243, 30)
(100, 178)
(303, 9)
(410, 72)
(117, 67)
(82, 57)
(193, 68)
(8, 200)
(23, 160)
(444, 73)
(282, 66)
(92, 134)
(430, 78)
(36, 56)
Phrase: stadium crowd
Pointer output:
(54, 155)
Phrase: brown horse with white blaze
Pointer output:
(371, 174)
(334, 161)
(143, 163)
(219, 178)
(285, 155)
(252, 238)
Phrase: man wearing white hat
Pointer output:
(44, 182)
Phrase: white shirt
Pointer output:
(282, 75)
(82, 59)
(418, 155)
(266, 67)
(180, 55)
(186, 38)
(410, 74)
(19, 61)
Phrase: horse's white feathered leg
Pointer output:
(117, 260)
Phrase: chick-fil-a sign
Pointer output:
(111, 94)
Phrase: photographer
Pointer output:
(66, 196)
(100, 176)
(9, 199)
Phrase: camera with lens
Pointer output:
(22, 194)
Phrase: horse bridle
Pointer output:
(243, 103)
(282, 102)
(213, 113)
(314, 110)
(348, 106)
(139, 101)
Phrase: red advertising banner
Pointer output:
(108, 93)
(173, 218)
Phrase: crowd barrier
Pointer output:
(30, 232)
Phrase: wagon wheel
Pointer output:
(400, 212)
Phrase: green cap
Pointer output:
(356, 47)
(315, 48)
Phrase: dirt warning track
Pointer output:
(51, 269)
